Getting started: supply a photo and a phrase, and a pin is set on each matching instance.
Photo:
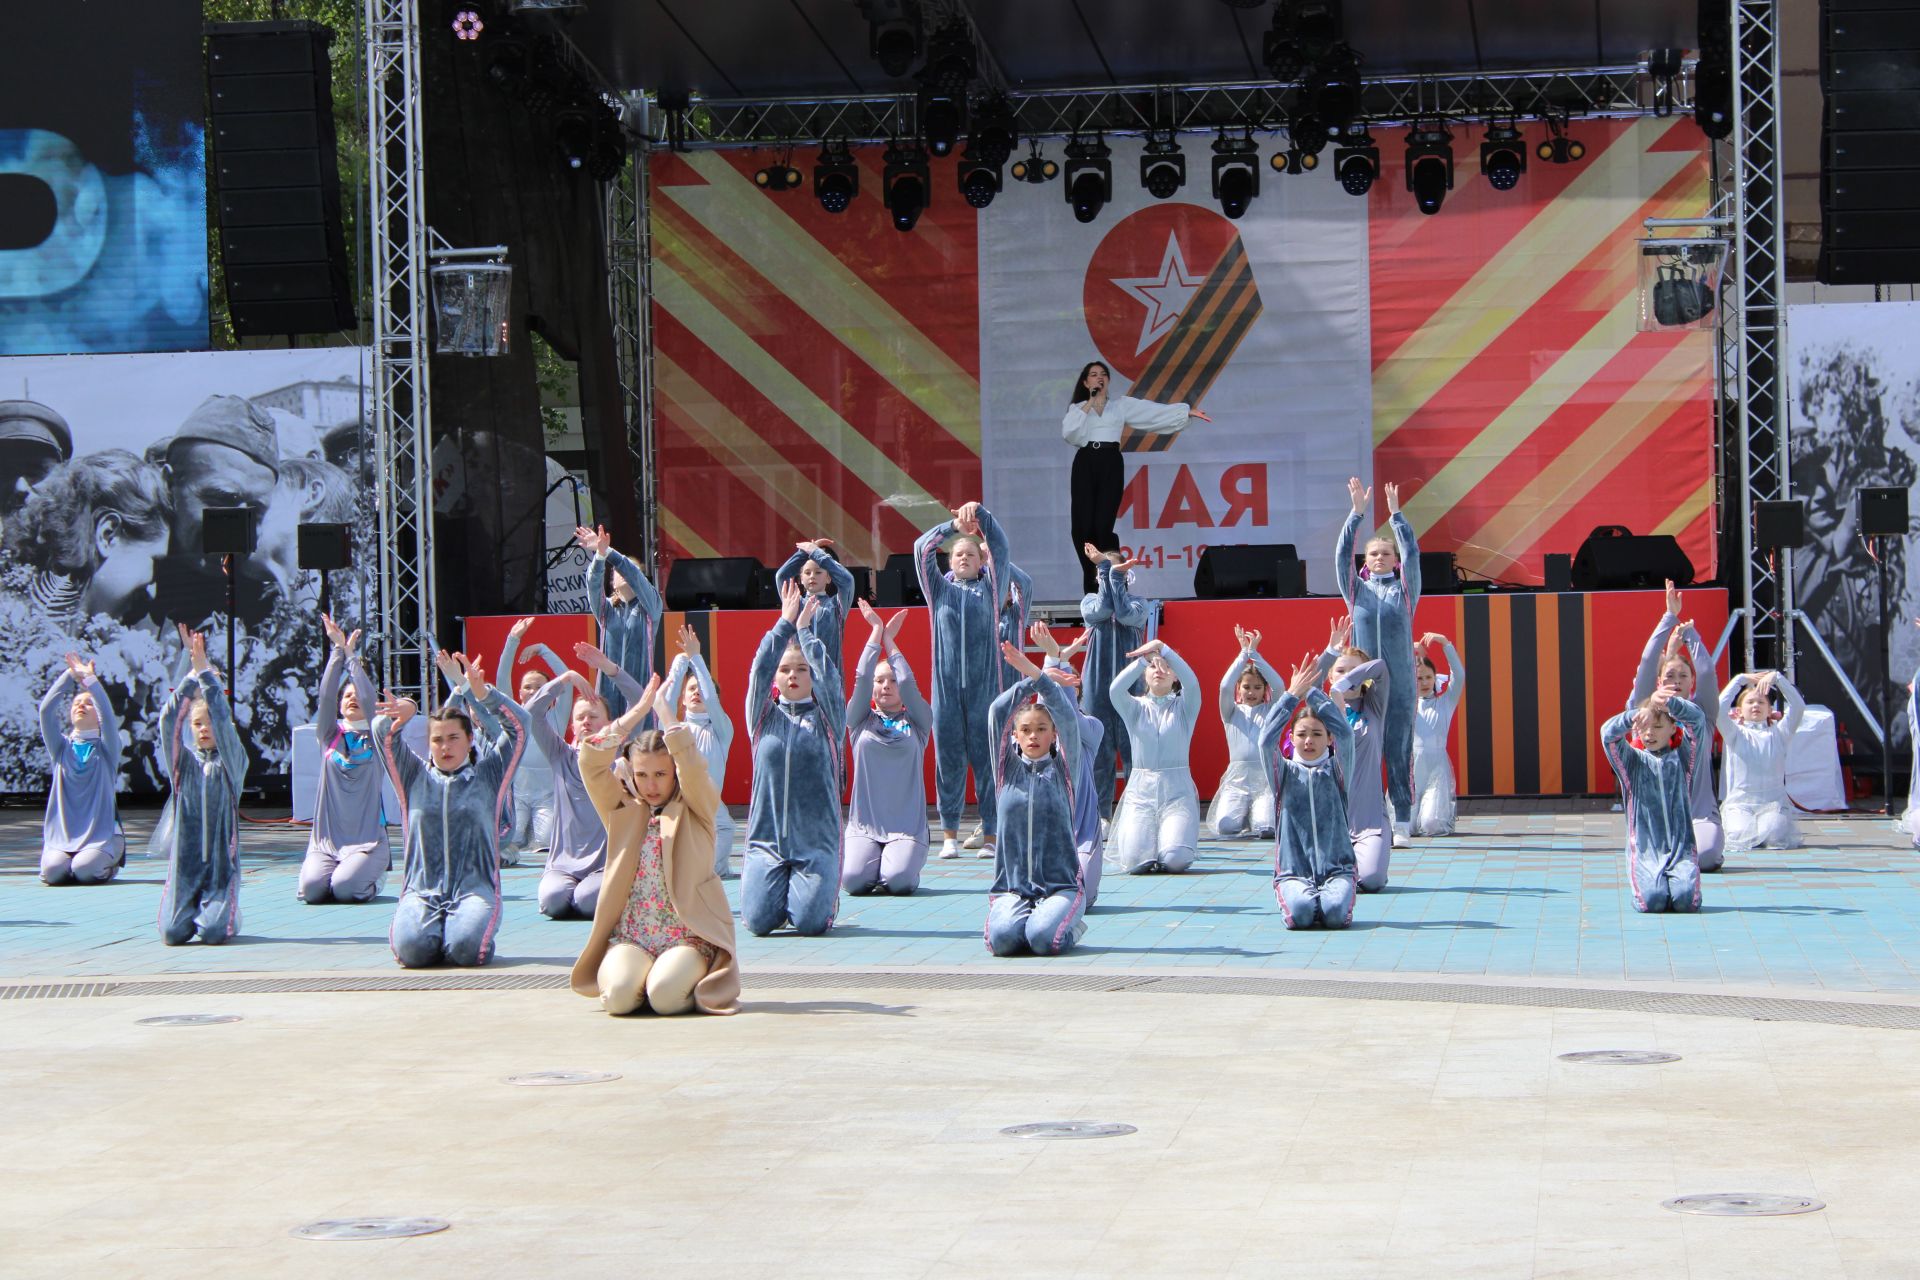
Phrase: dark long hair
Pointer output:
(1080, 391)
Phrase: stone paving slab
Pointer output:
(1512, 897)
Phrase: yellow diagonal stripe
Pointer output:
(1500, 437)
(1612, 436)
(1595, 204)
(750, 459)
(682, 532)
(793, 398)
(1686, 513)
(777, 247)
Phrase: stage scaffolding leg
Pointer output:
(1758, 303)
(630, 302)
(398, 242)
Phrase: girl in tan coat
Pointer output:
(662, 933)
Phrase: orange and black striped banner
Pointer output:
(1209, 331)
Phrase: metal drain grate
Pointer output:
(1743, 1204)
(1893, 1017)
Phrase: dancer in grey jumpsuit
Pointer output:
(629, 620)
(1087, 837)
(202, 897)
(1663, 669)
(699, 708)
(80, 839)
(889, 728)
(577, 855)
(1037, 902)
(1655, 751)
(1362, 689)
(1382, 601)
(450, 900)
(827, 582)
(1116, 621)
(796, 722)
(348, 856)
(528, 821)
(964, 605)
(1314, 876)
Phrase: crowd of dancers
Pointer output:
(618, 779)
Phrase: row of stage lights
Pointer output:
(906, 175)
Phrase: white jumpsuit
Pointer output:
(1434, 810)
(1243, 802)
(1756, 811)
(1157, 826)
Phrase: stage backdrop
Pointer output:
(1855, 382)
(823, 374)
(103, 187)
(100, 553)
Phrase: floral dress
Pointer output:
(650, 922)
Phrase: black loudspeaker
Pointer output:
(1438, 576)
(728, 582)
(1559, 571)
(862, 585)
(1869, 178)
(1780, 524)
(326, 546)
(896, 584)
(1713, 77)
(271, 163)
(1228, 573)
(1290, 579)
(1883, 513)
(1612, 559)
(228, 531)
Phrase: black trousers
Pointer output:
(1098, 477)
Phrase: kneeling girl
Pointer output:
(1037, 901)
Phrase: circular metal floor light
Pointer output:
(369, 1228)
(1068, 1129)
(1743, 1204)
(563, 1077)
(189, 1019)
(1620, 1057)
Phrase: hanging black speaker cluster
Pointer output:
(1870, 142)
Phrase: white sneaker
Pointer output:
(986, 851)
(978, 838)
(949, 849)
(1401, 834)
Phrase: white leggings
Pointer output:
(1157, 825)
(630, 977)
(1371, 852)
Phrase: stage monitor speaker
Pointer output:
(862, 586)
(1869, 181)
(1780, 524)
(326, 546)
(726, 582)
(1559, 571)
(1883, 513)
(1290, 579)
(1438, 576)
(228, 531)
(897, 584)
(272, 168)
(1237, 572)
(1612, 559)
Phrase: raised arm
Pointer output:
(597, 600)
(1189, 687)
(999, 555)
(919, 713)
(926, 560)
(1343, 556)
(1374, 701)
(1648, 673)
(1228, 683)
(1337, 729)
(1693, 730)
(1409, 548)
(998, 741)
(1120, 692)
(826, 690)
(1066, 716)
(172, 712)
(1796, 707)
(1456, 676)
(1152, 416)
(402, 764)
(1097, 606)
(539, 708)
(327, 709)
(53, 730)
(717, 718)
(597, 755)
(766, 660)
(1278, 723)
(510, 738)
(1723, 709)
(233, 756)
(1129, 610)
(860, 701)
(109, 723)
(643, 589)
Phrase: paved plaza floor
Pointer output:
(1384, 1102)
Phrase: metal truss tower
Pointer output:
(629, 244)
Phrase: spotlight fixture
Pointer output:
(1429, 164)
(836, 176)
(608, 154)
(904, 179)
(1304, 32)
(1163, 166)
(980, 179)
(1293, 160)
(1559, 148)
(1308, 133)
(1503, 156)
(1357, 164)
(944, 80)
(893, 34)
(1089, 177)
(1332, 90)
(940, 121)
(993, 138)
(777, 177)
(1034, 167)
(467, 25)
(573, 133)
(1663, 68)
(1236, 172)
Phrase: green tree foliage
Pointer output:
(343, 18)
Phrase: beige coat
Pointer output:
(686, 855)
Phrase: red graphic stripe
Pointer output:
(728, 508)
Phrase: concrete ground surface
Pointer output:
(1388, 1102)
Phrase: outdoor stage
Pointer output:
(1543, 671)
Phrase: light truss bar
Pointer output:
(1194, 108)
(629, 302)
(398, 232)
(1759, 348)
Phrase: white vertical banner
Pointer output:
(1262, 322)
(567, 561)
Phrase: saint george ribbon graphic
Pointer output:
(1169, 297)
